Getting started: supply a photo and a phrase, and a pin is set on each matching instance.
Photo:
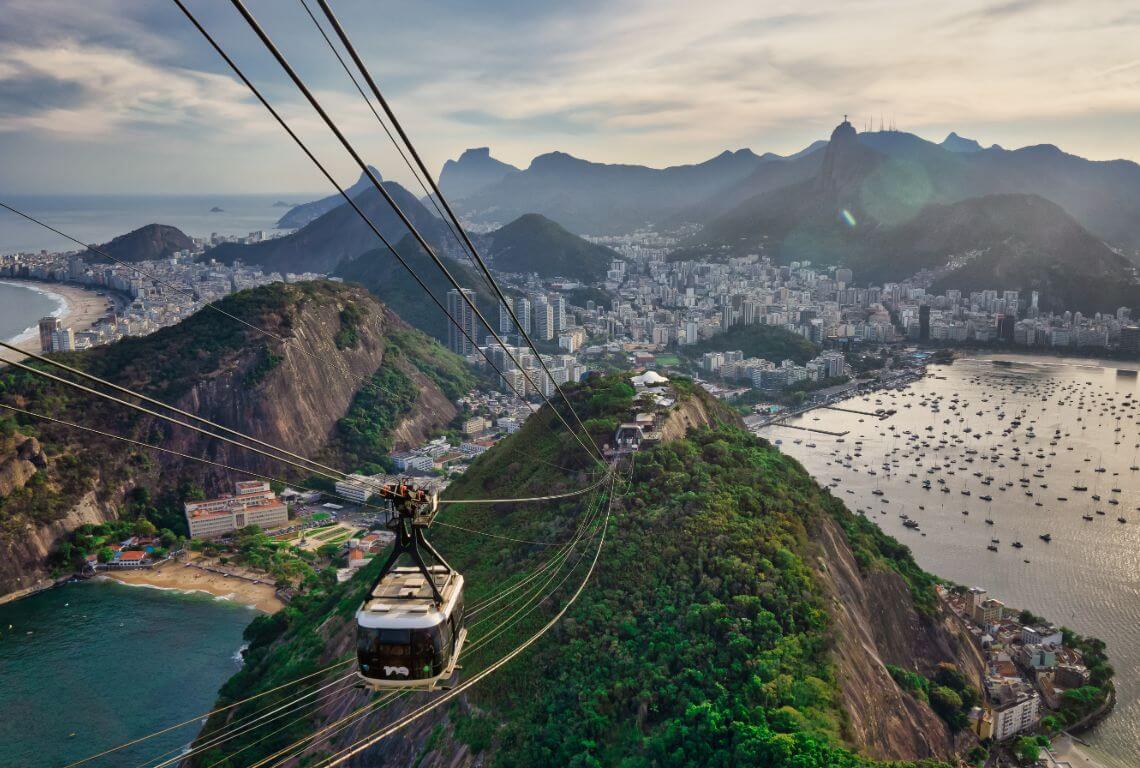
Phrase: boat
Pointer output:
(1046, 537)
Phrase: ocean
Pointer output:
(99, 218)
(87, 666)
(1079, 427)
(22, 306)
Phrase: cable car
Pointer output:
(410, 628)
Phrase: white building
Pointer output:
(254, 503)
(356, 488)
(1043, 634)
(1020, 713)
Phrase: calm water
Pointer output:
(1088, 578)
(87, 666)
(21, 308)
(99, 218)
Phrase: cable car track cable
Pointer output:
(270, 46)
(384, 193)
(443, 698)
(364, 71)
(341, 190)
(205, 715)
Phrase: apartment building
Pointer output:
(253, 503)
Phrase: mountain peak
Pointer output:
(474, 170)
(843, 132)
(845, 159)
(955, 143)
(475, 153)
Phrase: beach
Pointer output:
(81, 308)
(186, 578)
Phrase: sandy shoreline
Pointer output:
(83, 307)
(176, 575)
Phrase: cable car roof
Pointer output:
(403, 599)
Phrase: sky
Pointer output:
(124, 96)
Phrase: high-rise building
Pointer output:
(506, 324)
(522, 312)
(558, 308)
(63, 340)
(543, 318)
(48, 326)
(1130, 339)
(924, 322)
(1006, 325)
(463, 316)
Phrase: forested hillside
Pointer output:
(344, 380)
(707, 636)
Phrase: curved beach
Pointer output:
(77, 307)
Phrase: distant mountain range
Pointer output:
(594, 198)
(154, 241)
(886, 203)
(338, 234)
(890, 204)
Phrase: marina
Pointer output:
(1019, 473)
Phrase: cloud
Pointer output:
(70, 90)
(657, 82)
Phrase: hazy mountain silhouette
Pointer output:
(300, 215)
(339, 235)
(474, 170)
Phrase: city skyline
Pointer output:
(113, 97)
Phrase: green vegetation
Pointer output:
(685, 651)
(770, 342)
(579, 296)
(1078, 703)
(448, 370)
(1028, 748)
(910, 681)
(283, 647)
(350, 319)
(90, 539)
(286, 565)
(703, 639)
(364, 434)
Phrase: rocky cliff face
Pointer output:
(287, 394)
(875, 624)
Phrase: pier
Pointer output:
(877, 414)
(805, 429)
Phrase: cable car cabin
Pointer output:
(405, 637)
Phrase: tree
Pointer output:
(106, 555)
(144, 527)
(947, 704)
(1027, 750)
